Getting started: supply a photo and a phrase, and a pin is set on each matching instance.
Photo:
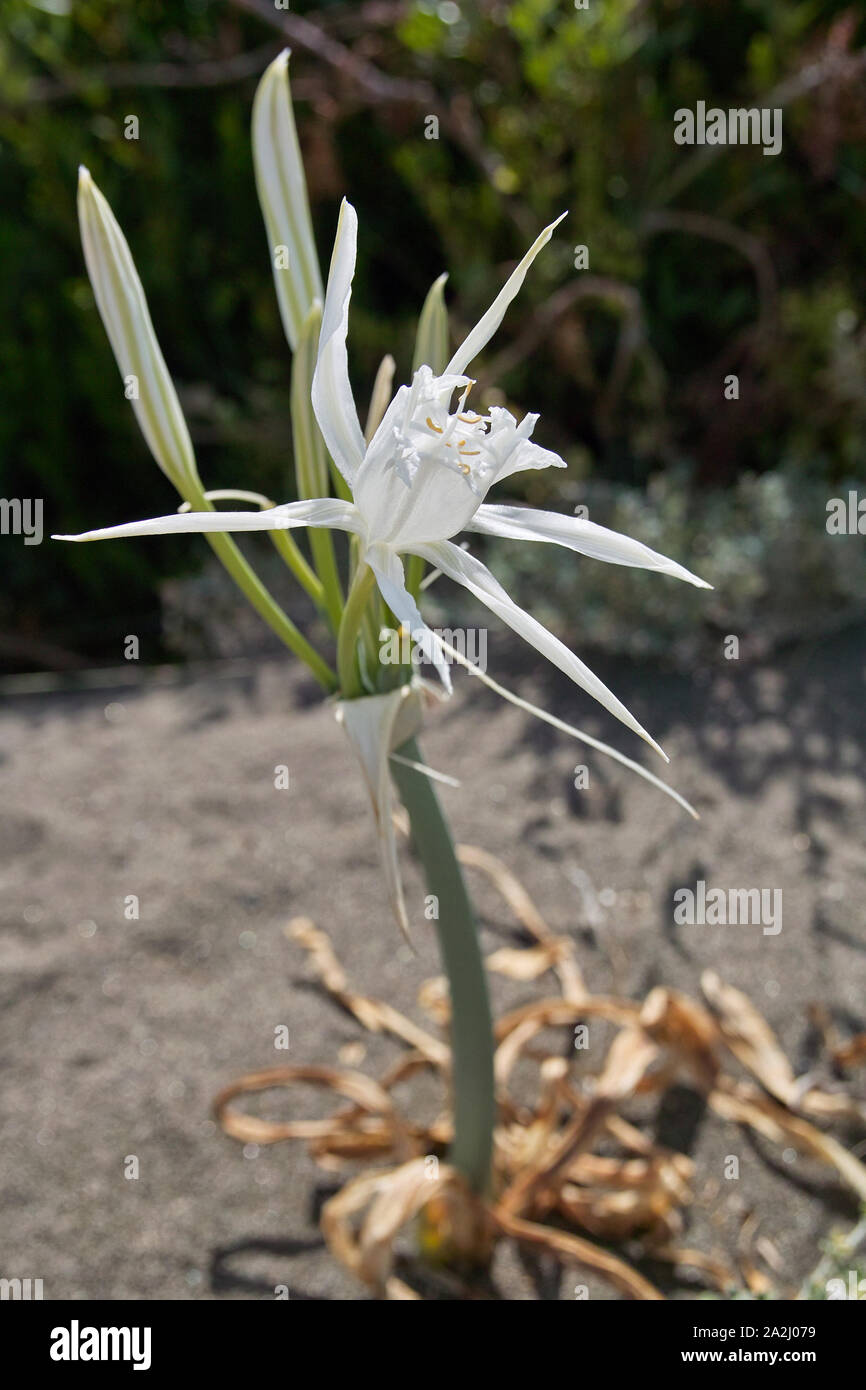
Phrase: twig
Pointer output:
(543, 319)
(376, 86)
(457, 116)
(211, 72)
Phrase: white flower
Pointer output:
(423, 479)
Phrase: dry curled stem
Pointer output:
(550, 1174)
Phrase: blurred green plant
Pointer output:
(539, 106)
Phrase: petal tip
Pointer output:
(655, 746)
(680, 572)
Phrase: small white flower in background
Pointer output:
(423, 478)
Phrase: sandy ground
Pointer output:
(117, 1033)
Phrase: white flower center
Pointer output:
(428, 468)
(426, 432)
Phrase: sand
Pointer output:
(117, 1031)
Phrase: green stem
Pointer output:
(254, 590)
(289, 550)
(284, 542)
(371, 628)
(350, 629)
(341, 487)
(322, 546)
(471, 1017)
(414, 574)
(311, 466)
(266, 606)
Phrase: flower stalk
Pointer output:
(471, 1016)
(350, 630)
(285, 546)
(243, 574)
(311, 462)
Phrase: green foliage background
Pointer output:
(699, 266)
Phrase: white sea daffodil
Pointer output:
(423, 479)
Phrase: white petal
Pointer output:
(123, 308)
(332, 391)
(388, 569)
(445, 778)
(376, 725)
(488, 324)
(525, 523)
(474, 576)
(317, 511)
(528, 455)
(282, 190)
